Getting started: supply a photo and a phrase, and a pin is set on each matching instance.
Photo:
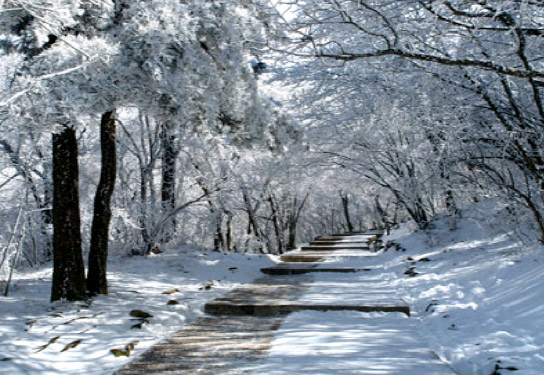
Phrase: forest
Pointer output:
(252, 126)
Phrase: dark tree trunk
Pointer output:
(97, 282)
(68, 267)
(218, 239)
(292, 241)
(294, 215)
(143, 207)
(345, 206)
(253, 226)
(276, 222)
(168, 188)
(230, 244)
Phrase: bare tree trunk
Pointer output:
(292, 240)
(97, 282)
(294, 215)
(168, 189)
(276, 222)
(68, 267)
(230, 244)
(143, 207)
(345, 206)
(253, 225)
(218, 239)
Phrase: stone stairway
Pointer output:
(240, 328)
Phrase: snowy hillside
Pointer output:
(478, 293)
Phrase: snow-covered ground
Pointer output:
(475, 292)
(172, 287)
(350, 343)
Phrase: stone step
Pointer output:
(229, 307)
(332, 248)
(212, 345)
(347, 234)
(277, 295)
(333, 243)
(302, 257)
(300, 269)
(351, 236)
(319, 256)
(362, 238)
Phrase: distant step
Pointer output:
(370, 232)
(331, 243)
(332, 248)
(298, 257)
(299, 270)
(362, 238)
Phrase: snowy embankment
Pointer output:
(37, 337)
(478, 292)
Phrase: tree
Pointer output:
(484, 53)
(183, 65)
(68, 267)
(97, 282)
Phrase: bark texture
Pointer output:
(97, 282)
(345, 206)
(168, 188)
(68, 267)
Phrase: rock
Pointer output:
(126, 351)
(137, 325)
(207, 286)
(140, 314)
(120, 352)
(411, 272)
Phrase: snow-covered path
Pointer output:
(342, 324)
(351, 342)
(348, 342)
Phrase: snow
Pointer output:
(28, 321)
(350, 342)
(477, 306)
(477, 293)
(349, 289)
(475, 296)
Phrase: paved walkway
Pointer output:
(305, 317)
